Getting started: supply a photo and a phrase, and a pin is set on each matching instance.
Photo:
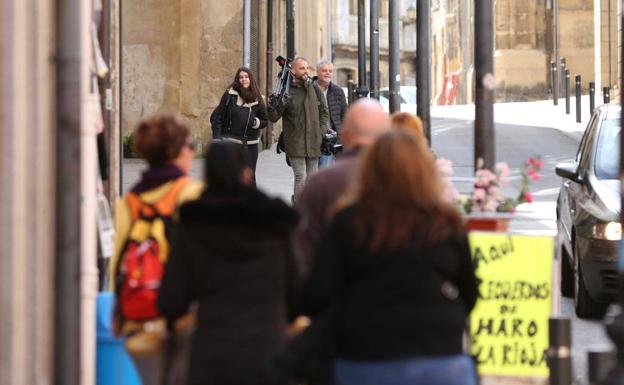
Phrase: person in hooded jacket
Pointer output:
(231, 254)
(241, 115)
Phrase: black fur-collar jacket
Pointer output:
(232, 255)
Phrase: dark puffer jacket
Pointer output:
(337, 105)
(232, 255)
(237, 120)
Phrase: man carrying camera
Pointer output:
(336, 104)
(304, 120)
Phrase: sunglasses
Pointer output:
(191, 146)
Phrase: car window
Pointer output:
(586, 136)
(409, 94)
(385, 94)
(607, 163)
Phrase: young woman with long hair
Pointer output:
(397, 260)
(241, 114)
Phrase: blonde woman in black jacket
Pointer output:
(241, 114)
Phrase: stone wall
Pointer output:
(521, 59)
(179, 56)
(576, 37)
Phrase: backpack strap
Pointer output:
(134, 204)
(167, 205)
(164, 206)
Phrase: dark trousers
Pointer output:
(252, 150)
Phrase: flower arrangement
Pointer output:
(487, 195)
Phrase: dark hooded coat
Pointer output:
(232, 255)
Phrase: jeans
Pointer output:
(326, 160)
(443, 370)
(149, 367)
(302, 168)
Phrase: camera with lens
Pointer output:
(330, 144)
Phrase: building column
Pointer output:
(27, 192)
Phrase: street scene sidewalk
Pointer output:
(522, 129)
(535, 114)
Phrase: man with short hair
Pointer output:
(364, 122)
(304, 120)
(336, 103)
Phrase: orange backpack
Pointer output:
(145, 251)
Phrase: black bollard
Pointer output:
(553, 82)
(592, 97)
(578, 98)
(559, 352)
(562, 68)
(606, 95)
(599, 364)
(351, 91)
(566, 86)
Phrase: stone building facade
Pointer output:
(179, 55)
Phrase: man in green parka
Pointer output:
(304, 121)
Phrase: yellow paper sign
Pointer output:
(509, 325)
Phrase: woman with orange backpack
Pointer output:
(143, 219)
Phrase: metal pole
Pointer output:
(606, 95)
(246, 33)
(485, 84)
(423, 65)
(374, 49)
(121, 98)
(559, 351)
(592, 97)
(566, 88)
(269, 67)
(554, 82)
(556, 89)
(290, 29)
(362, 90)
(394, 55)
(615, 318)
(351, 88)
(562, 68)
(578, 98)
(599, 364)
(67, 314)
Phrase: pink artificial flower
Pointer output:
(534, 175)
(444, 166)
(478, 195)
(539, 164)
(531, 161)
(490, 205)
(528, 197)
(503, 169)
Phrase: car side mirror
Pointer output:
(568, 171)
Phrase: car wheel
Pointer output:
(567, 275)
(584, 305)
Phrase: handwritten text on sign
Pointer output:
(509, 325)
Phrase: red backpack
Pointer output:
(142, 259)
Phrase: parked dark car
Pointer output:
(588, 224)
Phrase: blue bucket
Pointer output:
(114, 365)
